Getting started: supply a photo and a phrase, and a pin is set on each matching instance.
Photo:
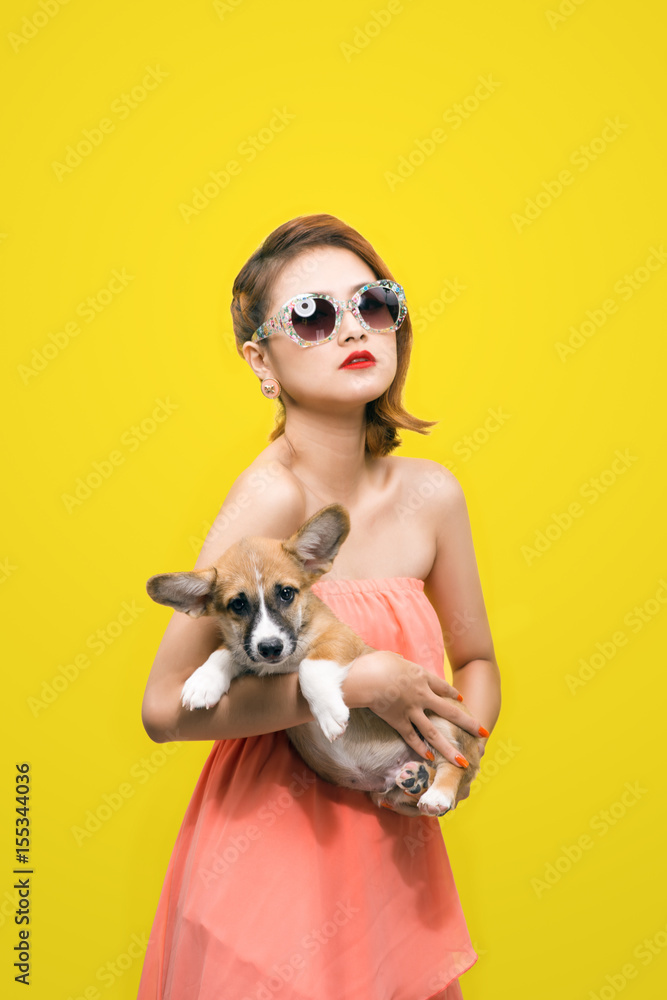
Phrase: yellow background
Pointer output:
(166, 335)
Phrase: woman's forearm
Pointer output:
(479, 683)
(252, 706)
(257, 705)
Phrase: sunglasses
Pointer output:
(314, 318)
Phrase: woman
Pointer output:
(281, 884)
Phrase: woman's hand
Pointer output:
(399, 691)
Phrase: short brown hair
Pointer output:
(251, 296)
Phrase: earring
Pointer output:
(271, 387)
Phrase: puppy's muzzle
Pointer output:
(271, 650)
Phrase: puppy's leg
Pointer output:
(206, 686)
(320, 682)
(442, 792)
(396, 800)
(441, 796)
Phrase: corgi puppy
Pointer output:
(270, 622)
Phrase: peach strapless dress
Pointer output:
(282, 886)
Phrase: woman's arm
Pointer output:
(266, 502)
(479, 683)
(453, 587)
(399, 691)
(252, 706)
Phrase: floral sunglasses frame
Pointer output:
(282, 321)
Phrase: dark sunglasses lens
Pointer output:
(379, 307)
(313, 319)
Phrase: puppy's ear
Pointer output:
(317, 542)
(187, 592)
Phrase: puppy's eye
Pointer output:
(238, 604)
(287, 594)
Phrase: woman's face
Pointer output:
(313, 376)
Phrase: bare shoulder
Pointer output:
(426, 482)
(273, 494)
(265, 499)
(429, 508)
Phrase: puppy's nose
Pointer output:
(270, 649)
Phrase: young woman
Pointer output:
(281, 885)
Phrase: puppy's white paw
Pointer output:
(435, 802)
(334, 721)
(204, 688)
(320, 682)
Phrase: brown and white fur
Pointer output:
(270, 622)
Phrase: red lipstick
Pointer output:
(365, 360)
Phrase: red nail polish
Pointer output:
(429, 755)
(482, 731)
(460, 759)
(459, 697)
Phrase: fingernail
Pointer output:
(429, 755)
(459, 697)
(460, 759)
(482, 731)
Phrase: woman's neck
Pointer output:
(327, 453)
